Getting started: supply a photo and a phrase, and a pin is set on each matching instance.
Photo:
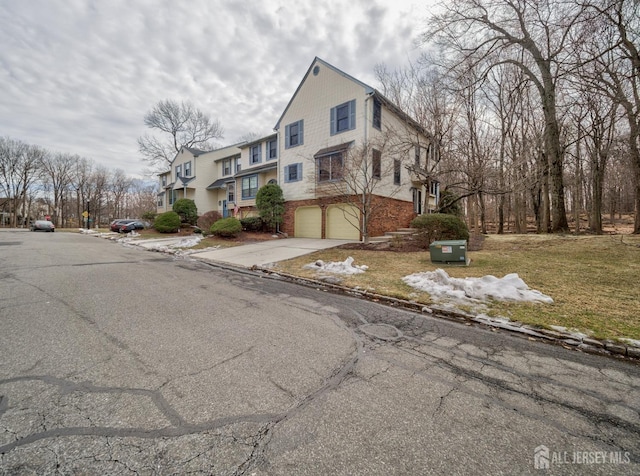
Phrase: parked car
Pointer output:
(116, 224)
(42, 225)
(133, 225)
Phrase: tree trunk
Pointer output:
(555, 156)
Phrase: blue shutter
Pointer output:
(301, 132)
(352, 114)
(333, 121)
(287, 137)
(286, 173)
(259, 153)
(299, 171)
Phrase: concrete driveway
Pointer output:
(266, 253)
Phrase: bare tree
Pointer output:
(119, 186)
(354, 176)
(58, 171)
(617, 73)
(181, 125)
(142, 198)
(19, 170)
(421, 89)
(531, 35)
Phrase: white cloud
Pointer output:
(79, 75)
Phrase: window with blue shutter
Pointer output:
(294, 134)
(293, 173)
(272, 149)
(343, 117)
(256, 154)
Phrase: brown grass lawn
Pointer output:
(594, 280)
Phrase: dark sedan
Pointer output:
(133, 225)
(42, 225)
(116, 224)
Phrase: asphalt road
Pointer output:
(115, 360)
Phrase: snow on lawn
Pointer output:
(443, 287)
(178, 247)
(338, 267)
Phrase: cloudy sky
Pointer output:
(78, 76)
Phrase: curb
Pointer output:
(566, 340)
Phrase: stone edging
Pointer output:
(567, 340)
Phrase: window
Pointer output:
(293, 173)
(434, 187)
(377, 114)
(294, 134)
(164, 180)
(249, 186)
(236, 165)
(160, 200)
(272, 149)
(255, 156)
(226, 167)
(178, 171)
(187, 169)
(329, 167)
(343, 117)
(396, 172)
(376, 157)
(417, 148)
(172, 197)
(231, 192)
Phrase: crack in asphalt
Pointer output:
(178, 427)
(413, 331)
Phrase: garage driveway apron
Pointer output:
(268, 252)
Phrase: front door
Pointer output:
(417, 201)
(225, 212)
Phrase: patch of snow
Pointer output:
(443, 287)
(188, 242)
(338, 267)
(179, 247)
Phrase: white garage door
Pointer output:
(308, 222)
(343, 221)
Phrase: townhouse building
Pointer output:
(340, 140)
(345, 156)
(201, 176)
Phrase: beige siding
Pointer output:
(246, 166)
(315, 98)
(313, 103)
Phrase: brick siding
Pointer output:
(389, 214)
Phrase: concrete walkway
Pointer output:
(267, 252)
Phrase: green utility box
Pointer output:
(449, 252)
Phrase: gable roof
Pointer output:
(258, 140)
(368, 90)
